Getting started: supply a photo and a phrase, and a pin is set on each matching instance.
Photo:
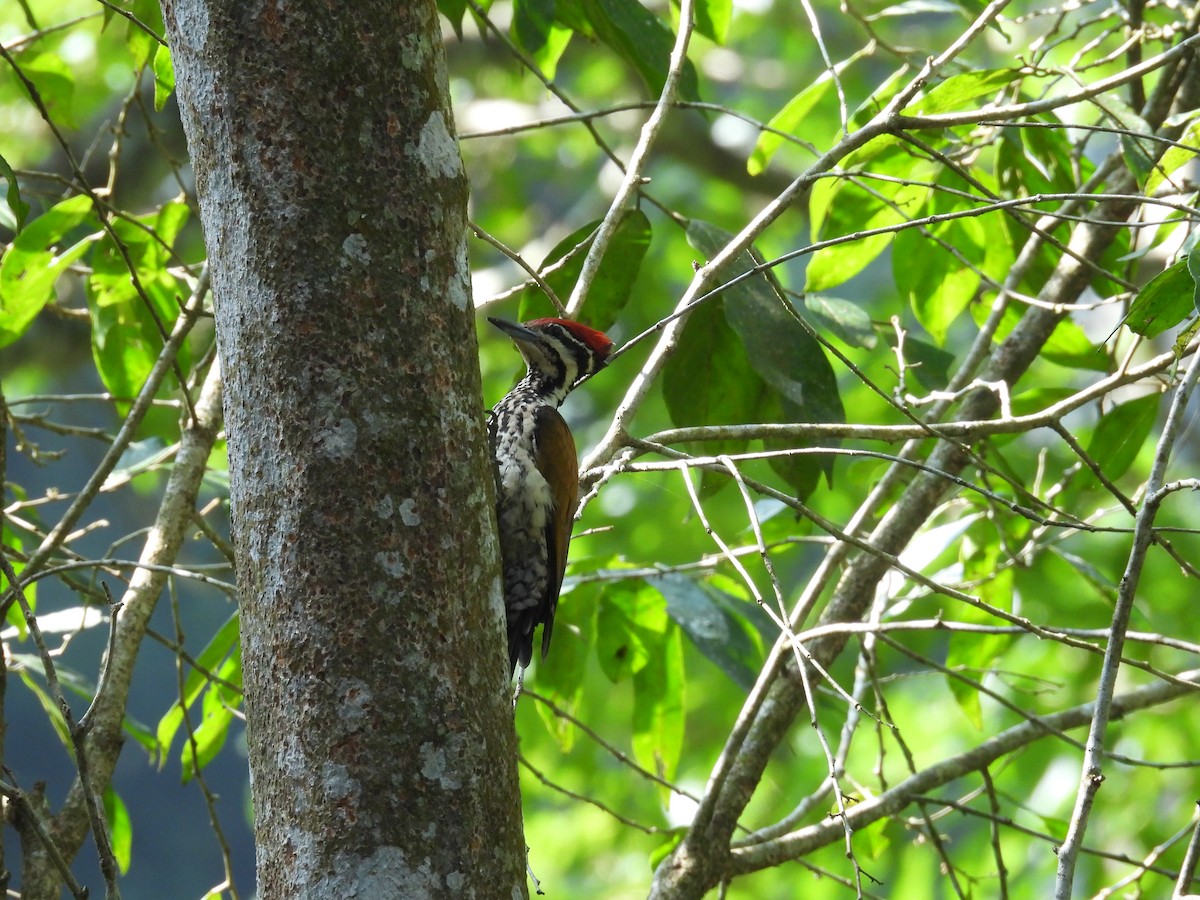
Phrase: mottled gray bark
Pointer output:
(382, 749)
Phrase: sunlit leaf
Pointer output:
(18, 207)
(560, 674)
(536, 31)
(789, 121)
(143, 30)
(453, 10)
(49, 706)
(840, 207)
(713, 17)
(631, 620)
(1174, 158)
(217, 707)
(31, 265)
(932, 277)
(658, 717)
(961, 91)
(164, 76)
(220, 646)
(120, 828)
(55, 84)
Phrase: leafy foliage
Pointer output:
(1006, 239)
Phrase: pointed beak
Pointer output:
(514, 330)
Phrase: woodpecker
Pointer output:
(537, 474)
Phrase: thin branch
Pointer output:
(133, 420)
(1092, 774)
(632, 180)
(892, 801)
(31, 818)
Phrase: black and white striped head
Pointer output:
(559, 352)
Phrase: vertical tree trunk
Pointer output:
(333, 199)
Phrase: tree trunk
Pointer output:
(382, 750)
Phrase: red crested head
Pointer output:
(597, 341)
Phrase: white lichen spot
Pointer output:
(385, 507)
(412, 53)
(436, 149)
(336, 782)
(356, 702)
(390, 562)
(433, 767)
(385, 873)
(456, 881)
(338, 440)
(408, 512)
(457, 293)
(354, 247)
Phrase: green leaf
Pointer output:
(30, 266)
(842, 317)
(1184, 339)
(140, 34)
(164, 76)
(967, 698)
(713, 17)
(641, 39)
(789, 120)
(839, 207)
(930, 364)
(224, 643)
(49, 706)
(630, 622)
(779, 348)
(127, 331)
(1035, 160)
(1121, 433)
(120, 828)
(218, 708)
(560, 675)
(1067, 345)
(1137, 152)
(55, 84)
(1164, 302)
(535, 30)
(15, 617)
(714, 630)
(126, 340)
(1174, 158)
(658, 717)
(675, 837)
(961, 91)
(934, 281)
(453, 10)
(709, 381)
(613, 284)
(982, 557)
(20, 209)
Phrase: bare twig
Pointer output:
(1092, 774)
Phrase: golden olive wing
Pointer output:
(558, 464)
